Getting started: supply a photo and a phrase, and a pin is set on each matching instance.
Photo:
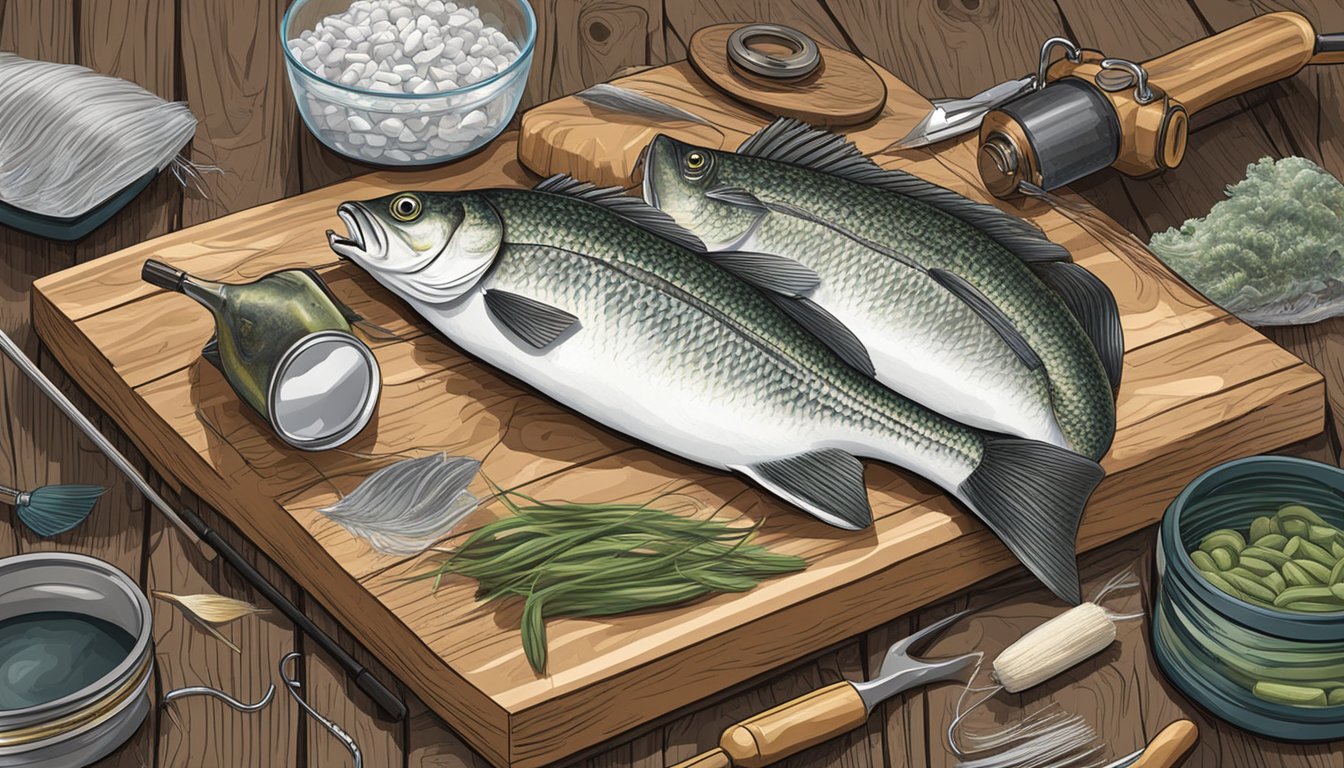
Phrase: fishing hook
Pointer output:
(205, 690)
(293, 686)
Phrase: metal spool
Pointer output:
(1071, 131)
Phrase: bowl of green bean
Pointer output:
(1249, 613)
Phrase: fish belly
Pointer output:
(688, 388)
(924, 342)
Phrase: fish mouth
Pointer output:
(363, 240)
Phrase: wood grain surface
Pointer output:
(942, 47)
(1179, 410)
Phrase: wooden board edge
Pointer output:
(919, 580)
(471, 711)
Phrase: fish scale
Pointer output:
(873, 250)
(604, 305)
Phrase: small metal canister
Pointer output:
(286, 347)
(89, 724)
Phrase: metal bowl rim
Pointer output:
(143, 641)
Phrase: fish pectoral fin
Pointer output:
(827, 484)
(736, 196)
(1031, 495)
(991, 314)
(536, 323)
(1093, 305)
(776, 274)
(829, 330)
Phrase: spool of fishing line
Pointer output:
(76, 146)
(1049, 736)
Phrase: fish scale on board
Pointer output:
(606, 305)
(945, 300)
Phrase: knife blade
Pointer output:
(950, 118)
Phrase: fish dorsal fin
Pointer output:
(827, 484)
(787, 140)
(537, 323)
(991, 314)
(776, 274)
(1093, 305)
(829, 330)
(630, 208)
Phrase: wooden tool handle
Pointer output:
(1168, 747)
(794, 726)
(714, 758)
(1247, 56)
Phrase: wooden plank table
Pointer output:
(1199, 387)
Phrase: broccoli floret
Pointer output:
(1271, 251)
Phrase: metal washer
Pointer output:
(803, 62)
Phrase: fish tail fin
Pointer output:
(1031, 495)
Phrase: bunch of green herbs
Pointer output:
(1270, 252)
(591, 560)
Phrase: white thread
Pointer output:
(71, 138)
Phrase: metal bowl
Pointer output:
(1214, 646)
(87, 725)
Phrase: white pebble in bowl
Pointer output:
(420, 47)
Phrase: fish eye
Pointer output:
(696, 161)
(405, 207)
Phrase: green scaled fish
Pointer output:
(955, 304)
(604, 304)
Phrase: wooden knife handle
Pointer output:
(1247, 56)
(714, 758)
(794, 726)
(1168, 747)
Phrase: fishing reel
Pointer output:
(1087, 111)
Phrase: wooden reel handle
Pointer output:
(787, 729)
(1258, 52)
(1169, 746)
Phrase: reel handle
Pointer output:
(1255, 53)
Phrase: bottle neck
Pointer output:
(170, 278)
(209, 293)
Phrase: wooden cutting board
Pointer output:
(1199, 388)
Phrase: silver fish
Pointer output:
(943, 299)
(605, 305)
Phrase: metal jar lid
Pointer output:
(323, 390)
(804, 60)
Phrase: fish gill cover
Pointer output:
(1271, 252)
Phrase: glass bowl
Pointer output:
(1214, 646)
(409, 129)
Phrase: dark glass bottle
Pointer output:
(260, 328)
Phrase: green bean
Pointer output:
(1250, 586)
(1272, 556)
(1202, 560)
(1275, 541)
(1322, 536)
(1224, 558)
(1263, 526)
(1336, 697)
(1225, 538)
(1299, 512)
(1295, 594)
(1255, 566)
(1319, 573)
(1217, 580)
(1297, 576)
(1337, 573)
(1311, 606)
(1299, 548)
(1275, 582)
(1292, 695)
(1293, 527)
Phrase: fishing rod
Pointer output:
(197, 531)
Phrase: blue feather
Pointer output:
(55, 509)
